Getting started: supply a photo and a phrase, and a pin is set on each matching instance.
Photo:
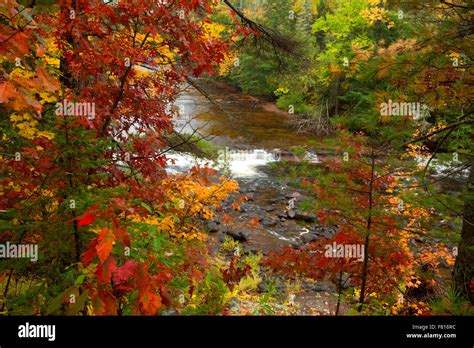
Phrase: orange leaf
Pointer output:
(90, 253)
(149, 303)
(105, 242)
(254, 222)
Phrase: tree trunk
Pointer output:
(464, 266)
(365, 269)
(339, 292)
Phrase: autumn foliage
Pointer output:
(116, 232)
(88, 92)
(359, 195)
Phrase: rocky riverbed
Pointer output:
(268, 217)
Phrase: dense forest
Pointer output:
(252, 157)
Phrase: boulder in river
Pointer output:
(295, 244)
(273, 200)
(297, 215)
(322, 231)
(269, 221)
(212, 227)
(236, 233)
(309, 237)
(294, 195)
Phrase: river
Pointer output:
(254, 133)
(251, 132)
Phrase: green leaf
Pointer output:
(147, 207)
(56, 303)
(80, 303)
(80, 279)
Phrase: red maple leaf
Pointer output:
(90, 253)
(123, 273)
(86, 219)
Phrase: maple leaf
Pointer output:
(123, 273)
(86, 219)
(90, 253)
(106, 303)
(105, 241)
(104, 271)
(122, 236)
(149, 302)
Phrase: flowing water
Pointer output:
(251, 133)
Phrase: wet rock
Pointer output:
(309, 237)
(240, 235)
(252, 249)
(295, 245)
(305, 217)
(269, 221)
(169, 312)
(212, 227)
(244, 208)
(325, 232)
(295, 195)
(269, 209)
(282, 219)
(297, 215)
(273, 200)
(319, 286)
(221, 238)
(442, 223)
(447, 224)
(281, 214)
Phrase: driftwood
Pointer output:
(318, 124)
